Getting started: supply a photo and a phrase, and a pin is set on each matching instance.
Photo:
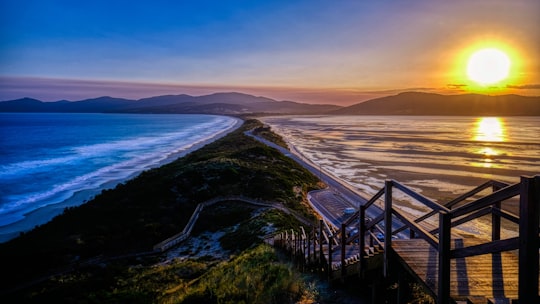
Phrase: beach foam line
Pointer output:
(27, 220)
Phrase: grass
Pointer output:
(146, 210)
(255, 276)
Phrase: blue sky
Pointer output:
(309, 50)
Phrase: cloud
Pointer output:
(456, 86)
(524, 87)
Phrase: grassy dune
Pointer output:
(92, 249)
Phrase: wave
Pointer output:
(92, 166)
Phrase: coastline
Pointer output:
(441, 187)
(45, 214)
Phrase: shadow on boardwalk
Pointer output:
(451, 268)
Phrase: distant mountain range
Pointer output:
(415, 103)
(409, 103)
(219, 103)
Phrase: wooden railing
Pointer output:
(527, 242)
(185, 233)
(392, 222)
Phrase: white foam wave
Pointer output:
(137, 155)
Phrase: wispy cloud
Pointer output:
(456, 86)
(524, 87)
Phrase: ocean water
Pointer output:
(440, 157)
(47, 158)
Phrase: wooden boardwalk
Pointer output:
(450, 267)
(490, 275)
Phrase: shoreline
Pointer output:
(417, 180)
(46, 213)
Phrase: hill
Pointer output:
(95, 252)
(415, 103)
(218, 103)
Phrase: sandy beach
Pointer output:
(43, 215)
(437, 157)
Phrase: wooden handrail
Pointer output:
(507, 215)
(491, 247)
(374, 198)
(458, 199)
(375, 221)
(467, 218)
(426, 235)
(497, 196)
(420, 198)
(440, 238)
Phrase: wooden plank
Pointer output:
(490, 275)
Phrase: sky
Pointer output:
(338, 52)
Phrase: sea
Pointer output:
(52, 160)
(440, 157)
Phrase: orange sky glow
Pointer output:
(306, 51)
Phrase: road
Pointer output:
(331, 202)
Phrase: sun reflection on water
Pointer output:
(489, 129)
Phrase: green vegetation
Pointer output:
(267, 134)
(95, 249)
(255, 276)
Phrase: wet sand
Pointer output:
(431, 166)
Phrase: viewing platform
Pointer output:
(451, 268)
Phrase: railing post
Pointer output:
(309, 246)
(286, 243)
(293, 245)
(528, 238)
(412, 234)
(330, 258)
(443, 295)
(387, 224)
(495, 220)
(295, 242)
(321, 255)
(362, 237)
(343, 244)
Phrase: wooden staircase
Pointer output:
(469, 273)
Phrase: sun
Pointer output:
(488, 66)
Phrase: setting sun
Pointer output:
(488, 66)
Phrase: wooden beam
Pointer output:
(420, 198)
(387, 225)
(496, 219)
(458, 199)
(443, 292)
(375, 221)
(486, 248)
(528, 238)
(507, 215)
(424, 234)
(468, 218)
(321, 255)
(343, 244)
(374, 198)
(362, 237)
(488, 200)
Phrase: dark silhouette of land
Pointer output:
(218, 103)
(415, 103)
(409, 103)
